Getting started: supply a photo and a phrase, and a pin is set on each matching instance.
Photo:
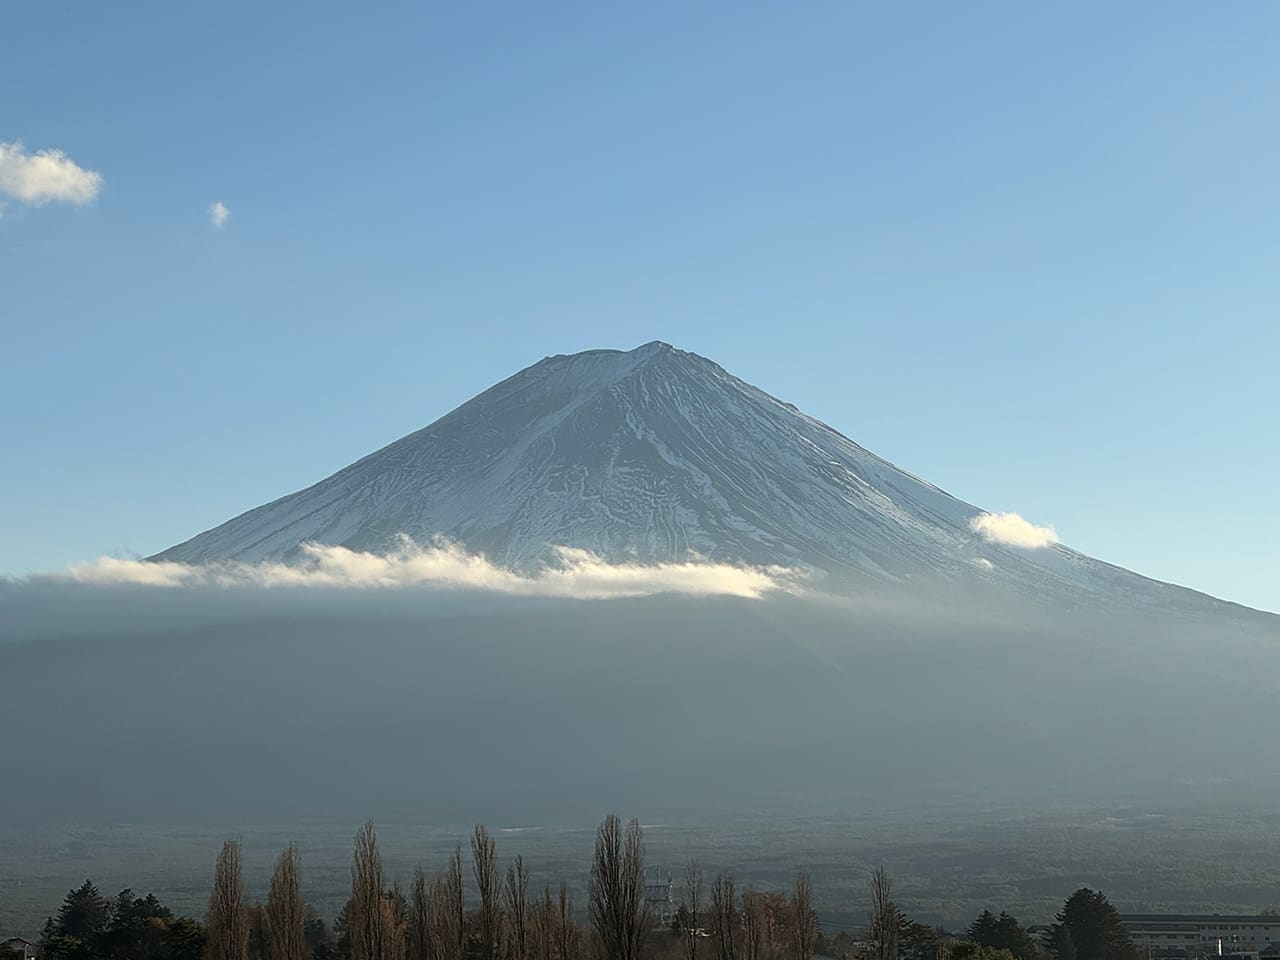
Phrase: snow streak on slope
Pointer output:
(651, 456)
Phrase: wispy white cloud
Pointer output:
(1012, 530)
(578, 574)
(44, 176)
(113, 570)
(983, 563)
(218, 213)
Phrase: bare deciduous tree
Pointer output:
(375, 918)
(542, 927)
(441, 942)
(364, 909)
(691, 900)
(395, 911)
(885, 917)
(567, 928)
(286, 914)
(618, 910)
(755, 926)
(257, 919)
(516, 895)
(724, 916)
(804, 920)
(484, 863)
(227, 930)
(418, 940)
(451, 923)
(446, 932)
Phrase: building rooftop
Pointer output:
(1254, 918)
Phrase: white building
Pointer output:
(1203, 934)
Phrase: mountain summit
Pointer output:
(928, 663)
(652, 455)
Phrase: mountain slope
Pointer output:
(656, 455)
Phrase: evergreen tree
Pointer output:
(185, 940)
(1002, 933)
(122, 908)
(123, 927)
(342, 933)
(1095, 927)
(1059, 943)
(320, 945)
(139, 929)
(919, 941)
(59, 946)
(83, 914)
(976, 951)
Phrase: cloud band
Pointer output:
(578, 574)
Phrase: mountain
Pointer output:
(657, 455)
(928, 665)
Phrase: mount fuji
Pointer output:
(658, 455)
(918, 661)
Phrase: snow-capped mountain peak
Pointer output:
(650, 455)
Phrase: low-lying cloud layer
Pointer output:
(578, 574)
(1012, 530)
(37, 178)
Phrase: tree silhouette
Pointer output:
(84, 912)
(691, 909)
(227, 932)
(1095, 927)
(286, 915)
(516, 894)
(1002, 933)
(1059, 943)
(484, 864)
(804, 919)
(724, 916)
(375, 916)
(886, 920)
(618, 910)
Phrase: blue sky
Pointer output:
(1029, 253)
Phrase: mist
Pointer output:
(209, 704)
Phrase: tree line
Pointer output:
(1088, 927)
(499, 918)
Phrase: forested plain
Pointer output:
(476, 907)
(947, 865)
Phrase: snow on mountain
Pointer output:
(653, 455)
